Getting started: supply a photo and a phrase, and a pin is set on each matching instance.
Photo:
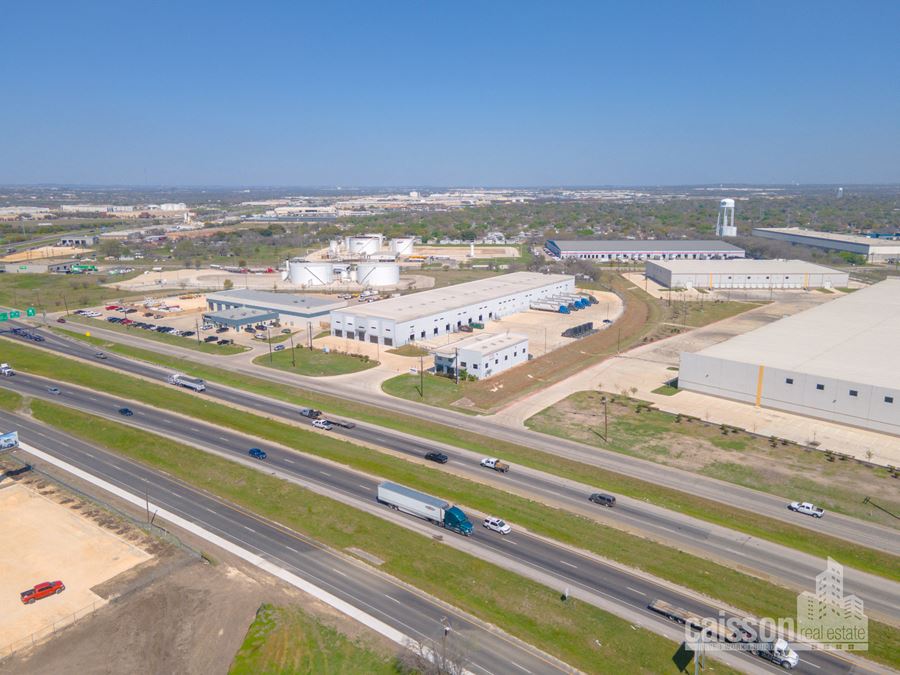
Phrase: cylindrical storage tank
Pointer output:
(310, 273)
(334, 248)
(378, 274)
(363, 246)
(403, 245)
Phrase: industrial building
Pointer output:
(871, 248)
(482, 355)
(654, 249)
(838, 361)
(239, 317)
(311, 273)
(288, 308)
(425, 315)
(83, 241)
(744, 273)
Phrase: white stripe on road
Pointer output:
(574, 567)
(636, 591)
(810, 664)
(520, 667)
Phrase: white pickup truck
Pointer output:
(495, 464)
(807, 509)
(6, 370)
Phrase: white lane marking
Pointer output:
(394, 599)
(222, 438)
(520, 667)
(291, 548)
(574, 567)
(636, 591)
(249, 528)
(810, 664)
(337, 571)
(324, 473)
(366, 487)
(289, 461)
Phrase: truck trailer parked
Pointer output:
(421, 505)
(194, 383)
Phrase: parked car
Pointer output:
(259, 336)
(111, 308)
(100, 355)
(53, 390)
(211, 338)
(279, 348)
(147, 315)
(188, 333)
(607, 320)
(42, 590)
(323, 424)
(603, 499)
(249, 329)
(497, 525)
(257, 453)
(224, 342)
(127, 412)
(438, 457)
(807, 509)
(60, 320)
(222, 329)
(285, 331)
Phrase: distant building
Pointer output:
(744, 273)
(288, 308)
(872, 249)
(482, 355)
(653, 249)
(82, 241)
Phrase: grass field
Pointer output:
(507, 600)
(315, 362)
(715, 512)
(409, 350)
(10, 400)
(451, 277)
(724, 453)
(288, 640)
(439, 391)
(53, 292)
(177, 340)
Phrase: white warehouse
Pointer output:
(482, 355)
(744, 273)
(838, 361)
(426, 315)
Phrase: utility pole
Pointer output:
(66, 305)
(605, 422)
(456, 365)
(421, 377)
(269, 340)
(293, 358)
(309, 336)
(197, 329)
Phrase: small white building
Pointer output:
(482, 355)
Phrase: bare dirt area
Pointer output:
(464, 252)
(45, 538)
(43, 252)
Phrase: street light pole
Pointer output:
(269, 340)
(293, 358)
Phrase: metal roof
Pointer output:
(852, 338)
(830, 236)
(742, 266)
(437, 300)
(483, 343)
(642, 245)
(279, 302)
(241, 315)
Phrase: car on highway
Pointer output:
(36, 337)
(323, 424)
(279, 348)
(53, 390)
(497, 525)
(257, 453)
(127, 412)
(100, 355)
(41, 591)
(438, 457)
(311, 413)
(807, 509)
(603, 499)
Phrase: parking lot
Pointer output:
(47, 541)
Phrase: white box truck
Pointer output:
(194, 383)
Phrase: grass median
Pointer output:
(315, 362)
(777, 531)
(521, 607)
(165, 338)
(10, 400)
(753, 595)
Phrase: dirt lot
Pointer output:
(43, 540)
(44, 252)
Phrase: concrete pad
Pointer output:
(41, 540)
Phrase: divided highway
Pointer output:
(568, 567)
(882, 597)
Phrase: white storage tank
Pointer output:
(378, 274)
(363, 245)
(309, 273)
(402, 245)
(334, 248)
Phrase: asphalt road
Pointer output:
(567, 567)
(781, 563)
(406, 610)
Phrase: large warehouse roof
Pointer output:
(853, 338)
(743, 266)
(830, 236)
(438, 300)
(279, 302)
(642, 245)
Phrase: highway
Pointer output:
(403, 608)
(770, 560)
(567, 567)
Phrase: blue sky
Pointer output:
(450, 93)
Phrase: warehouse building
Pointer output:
(426, 315)
(240, 316)
(290, 309)
(777, 274)
(871, 248)
(654, 249)
(838, 361)
(482, 355)
(82, 241)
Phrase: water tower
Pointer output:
(725, 223)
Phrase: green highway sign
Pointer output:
(31, 311)
(4, 316)
(15, 314)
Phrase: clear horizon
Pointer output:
(515, 94)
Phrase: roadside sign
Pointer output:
(31, 311)
(15, 314)
(4, 316)
(9, 440)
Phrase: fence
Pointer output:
(49, 630)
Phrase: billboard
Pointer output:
(9, 440)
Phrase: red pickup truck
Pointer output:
(42, 590)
